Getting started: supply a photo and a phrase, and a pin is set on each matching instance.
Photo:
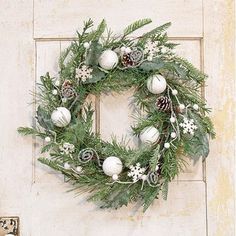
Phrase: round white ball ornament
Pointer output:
(149, 135)
(115, 177)
(79, 169)
(47, 139)
(112, 166)
(156, 84)
(128, 50)
(108, 59)
(61, 117)
(54, 92)
(144, 177)
(173, 135)
(67, 166)
(166, 145)
(86, 45)
(195, 107)
(172, 119)
(174, 92)
(181, 106)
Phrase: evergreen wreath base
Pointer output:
(178, 113)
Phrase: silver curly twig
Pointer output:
(152, 179)
(86, 155)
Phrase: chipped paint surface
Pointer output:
(219, 50)
(223, 193)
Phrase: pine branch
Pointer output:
(27, 131)
(155, 31)
(154, 158)
(149, 197)
(136, 25)
(164, 190)
(99, 31)
(195, 73)
(51, 163)
(87, 24)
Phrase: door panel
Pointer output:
(113, 118)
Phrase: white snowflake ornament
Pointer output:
(136, 172)
(151, 48)
(83, 73)
(188, 126)
(67, 148)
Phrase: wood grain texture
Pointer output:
(61, 19)
(219, 60)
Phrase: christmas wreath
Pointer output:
(171, 120)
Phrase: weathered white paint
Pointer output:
(38, 196)
(60, 18)
(65, 215)
(17, 79)
(47, 55)
(219, 52)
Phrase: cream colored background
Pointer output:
(32, 34)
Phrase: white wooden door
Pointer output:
(32, 35)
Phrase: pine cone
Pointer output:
(127, 61)
(67, 90)
(163, 103)
(133, 58)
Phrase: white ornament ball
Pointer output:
(166, 145)
(164, 50)
(144, 177)
(173, 135)
(47, 139)
(122, 49)
(149, 58)
(67, 166)
(64, 100)
(79, 169)
(156, 84)
(128, 50)
(61, 117)
(195, 107)
(54, 92)
(86, 45)
(115, 177)
(149, 135)
(56, 81)
(108, 59)
(172, 119)
(112, 166)
(174, 92)
(181, 106)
